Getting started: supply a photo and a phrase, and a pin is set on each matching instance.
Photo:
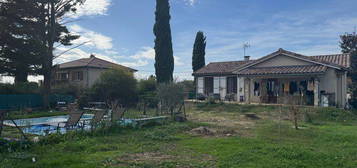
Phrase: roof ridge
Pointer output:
(230, 61)
(283, 66)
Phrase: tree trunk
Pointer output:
(21, 77)
(49, 58)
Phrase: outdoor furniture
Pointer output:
(74, 119)
(74, 116)
(98, 117)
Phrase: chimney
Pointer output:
(246, 58)
(92, 56)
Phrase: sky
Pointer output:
(122, 30)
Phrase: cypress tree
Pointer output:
(198, 55)
(348, 44)
(164, 59)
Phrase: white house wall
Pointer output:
(330, 84)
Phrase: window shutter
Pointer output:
(200, 85)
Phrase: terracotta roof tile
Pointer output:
(93, 62)
(220, 68)
(338, 59)
(302, 69)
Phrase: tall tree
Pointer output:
(164, 59)
(348, 44)
(55, 14)
(20, 45)
(198, 55)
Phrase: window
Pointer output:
(77, 76)
(62, 76)
(231, 85)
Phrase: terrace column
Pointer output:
(223, 87)
(216, 85)
(247, 89)
(238, 85)
(316, 92)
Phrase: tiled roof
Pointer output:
(223, 68)
(220, 68)
(92, 62)
(300, 69)
(339, 59)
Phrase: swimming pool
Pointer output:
(44, 125)
(54, 120)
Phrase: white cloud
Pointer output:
(138, 63)
(145, 53)
(94, 39)
(191, 2)
(306, 34)
(92, 7)
(177, 61)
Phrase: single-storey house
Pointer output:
(282, 77)
(83, 72)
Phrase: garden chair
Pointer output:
(74, 116)
(98, 117)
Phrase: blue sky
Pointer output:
(121, 30)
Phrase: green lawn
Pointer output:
(327, 138)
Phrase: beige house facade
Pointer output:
(83, 72)
(282, 77)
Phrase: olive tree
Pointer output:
(116, 85)
(171, 97)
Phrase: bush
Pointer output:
(20, 88)
(147, 92)
(68, 89)
(116, 85)
(353, 100)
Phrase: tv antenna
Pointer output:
(245, 47)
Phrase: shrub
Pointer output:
(68, 89)
(147, 92)
(116, 85)
(189, 88)
(20, 88)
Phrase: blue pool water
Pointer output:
(54, 120)
(44, 125)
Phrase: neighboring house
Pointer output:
(83, 72)
(282, 77)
